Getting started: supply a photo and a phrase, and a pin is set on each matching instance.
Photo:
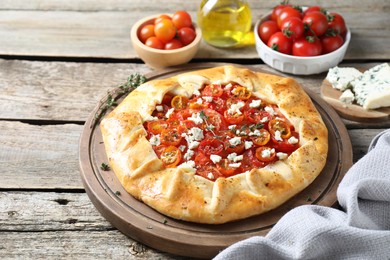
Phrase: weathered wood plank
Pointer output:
(96, 29)
(69, 91)
(46, 157)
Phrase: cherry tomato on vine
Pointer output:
(293, 28)
(317, 22)
(309, 46)
(279, 42)
(165, 30)
(267, 29)
(181, 19)
(288, 12)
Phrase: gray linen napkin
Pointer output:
(316, 232)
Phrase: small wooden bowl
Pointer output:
(158, 59)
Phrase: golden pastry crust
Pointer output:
(178, 192)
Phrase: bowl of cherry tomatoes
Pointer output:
(301, 41)
(166, 40)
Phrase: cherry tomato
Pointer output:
(146, 32)
(177, 117)
(267, 29)
(209, 172)
(186, 35)
(293, 27)
(288, 12)
(224, 168)
(309, 46)
(173, 44)
(217, 104)
(262, 139)
(181, 19)
(233, 119)
(241, 93)
(214, 119)
(212, 90)
(256, 116)
(165, 30)
(249, 161)
(238, 149)
(276, 11)
(161, 17)
(314, 8)
(170, 137)
(179, 102)
(279, 125)
(211, 146)
(337, 23)
(154, 42)
(201, 160)
(156, 126)
(279, 42)
(331, 43)
(185, 126)
(265, 154)
(285, 146)
(317, 22)
(170, 156)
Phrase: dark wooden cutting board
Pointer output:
(147, 226)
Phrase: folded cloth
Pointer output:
(362, 231)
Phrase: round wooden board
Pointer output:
(147, 226)
(352, 112)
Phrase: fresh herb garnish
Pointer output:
(209, 127)
(133, 82)
(105, 167)
(117, 193)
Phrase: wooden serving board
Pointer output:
(148, 226)
(353, 111)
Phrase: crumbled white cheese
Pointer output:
(151, 118)
(199, 101)
(169, 112)
(196, 92)
(248, 145)
(197, 133)
(234, 165)
(281, 155)
(232, 127)
(235, 108)
(292, 140)
(215, 158)
(155, 140)
(159, 108)
(264, 120)
(196, 118)
(193, 145)
(210, 175)
(208, 99)
(235, 141)
(182, 148)
(238, 158)
(188, 154)
(267, 153)
(228, 86)
(278, 135)
(270, 110)
(255, 133)
(255, 103)
(232, 156)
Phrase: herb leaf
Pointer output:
(105, 167)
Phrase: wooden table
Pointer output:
(58, 59)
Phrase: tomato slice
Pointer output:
(177, 117)
(179, 102)
(265, 154)
(279, 125)
(224, 168)
(238, 149)
(211, 146)
(170, 156)
(217, 104)
(250, 161)
(241, 93)
(213, 120)
(170, 137)
(185, 126)
(209, 172)
(287, 146)
(156, 126)
(256, 116)
(213, 90)
(233, 118)
(201, 160)
(263, 139)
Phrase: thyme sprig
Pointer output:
(133, 81)
(209, 127)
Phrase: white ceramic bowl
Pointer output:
(156, 58)
(299, 65)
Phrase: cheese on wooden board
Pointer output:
(341, 77)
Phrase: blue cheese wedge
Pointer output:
(340, 78)
(372, 89)
(347, 97)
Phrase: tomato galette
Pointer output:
(216, 145)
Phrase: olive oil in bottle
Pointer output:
(224, 23)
